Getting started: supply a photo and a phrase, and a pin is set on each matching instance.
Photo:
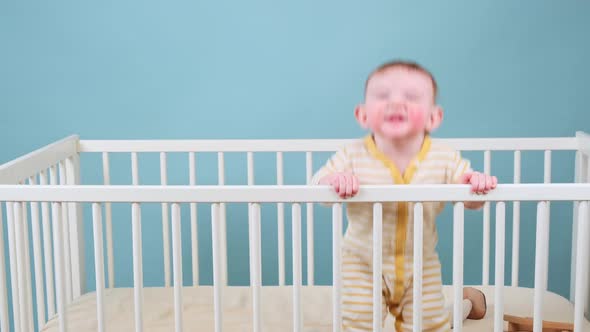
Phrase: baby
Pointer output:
(400, 112)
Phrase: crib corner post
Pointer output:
(76, 231)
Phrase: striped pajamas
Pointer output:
(434, 164)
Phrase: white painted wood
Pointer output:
(314, 145)
(486, 225)
(13, 255)
(109, 222)
(47, 250)
(217, 271)
(577, 179)
(418, 266)
(281, 223)
(222, 215)
(581, 290)
(4, 318)
(377, 264)
(66, 236)
(516, 223)
(134, 169)
(137, 266)
(499, 267)
(541, 261)
(177, 262)
(310, 223)
(23, 167)
(547, 167)
(27, 258)
(336, 267)
(289, 194)
(297, 275)
(194, 224)
(75, 226)
(37, 260)
(98, 264)
(165, 222)
(21, 267)
(255, 266)
(458, 251)
(60, 286)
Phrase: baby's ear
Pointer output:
(361, 116)
(435, 119)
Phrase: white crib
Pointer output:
(44, 287)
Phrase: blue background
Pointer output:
(267, 69)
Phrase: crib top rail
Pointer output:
(34, 162)
(315, 145)
(290, 193)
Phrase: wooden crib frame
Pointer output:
(56, 196)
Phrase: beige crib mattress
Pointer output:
(276, 304)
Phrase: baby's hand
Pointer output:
(480, 183)
(345, 184)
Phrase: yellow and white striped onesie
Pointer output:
(434, 164)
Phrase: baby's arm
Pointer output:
(461, 173)
(480, 184)
(345, 184)
(337, 172)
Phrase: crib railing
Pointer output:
(309, 147)
(58, 166)
(54, 164)
(297, 195)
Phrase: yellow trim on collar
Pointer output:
(398, 178)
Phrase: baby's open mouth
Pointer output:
(395, 118)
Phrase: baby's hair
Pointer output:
(407, 65)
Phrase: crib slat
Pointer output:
(98, 264)
(458, 251)
(577, 179)
(59, 266)
(217, 278)
(74, 230)
(222, 216)
(27, 256)
(48, 248)
(137, 266)
(486, 225)
(134, 169)
(254, 244)
(336, 267)
(582, 266)
(547, 167)
(541, 258)
(194, 226)
(21, 267)
(39, 289)
(516, 223)
(109, 222)
(281, 223)
(377, 264)
(255, 265)
(250, 158)
(177, 261)
(165, 222)
(310, 223)
(4, 319)
(66, 236)
(500, 245)
(296, 233)
(14, 280)
(418, 263)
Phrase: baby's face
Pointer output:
(398, 103)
